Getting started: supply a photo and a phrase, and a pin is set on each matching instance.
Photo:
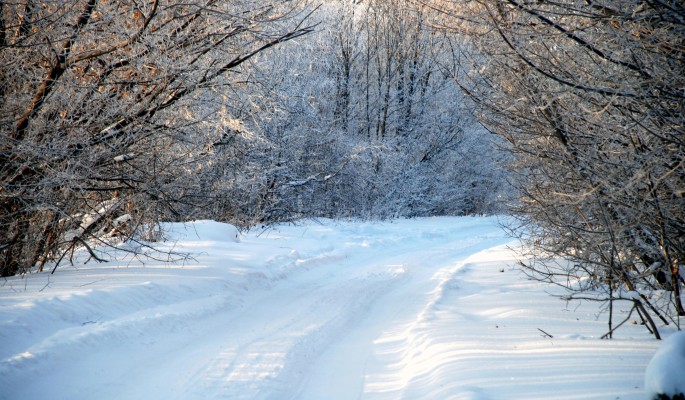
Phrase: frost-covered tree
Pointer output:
(363, 118)
(590, 96)
(119, 114)
(107, 110)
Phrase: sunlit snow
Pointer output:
(428, 308)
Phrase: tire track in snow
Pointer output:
(428, 266)
(276, 346)
(308, 331)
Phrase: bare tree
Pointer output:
(590, 96)
(100, 105)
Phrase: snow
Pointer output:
(124, 157)
(666, 371)
(428, 308)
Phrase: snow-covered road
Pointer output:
(415, 309)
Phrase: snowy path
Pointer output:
(421, 309)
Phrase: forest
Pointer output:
(569, 116)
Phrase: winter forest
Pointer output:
(353, 163)
(569, 116)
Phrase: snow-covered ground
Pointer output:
(413, 309)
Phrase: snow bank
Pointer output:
(665, 373)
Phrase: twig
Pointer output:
(90, 283)
(90, 251)
(546, 334)
(606, 335)
(46, 285)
